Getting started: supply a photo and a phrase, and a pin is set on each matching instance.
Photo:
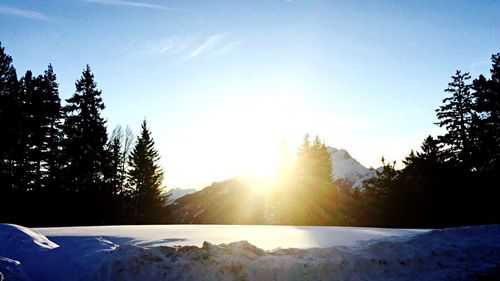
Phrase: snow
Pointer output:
(176, 193)
(266, 237)
(346, 167)
(18, 241)
(300, 253)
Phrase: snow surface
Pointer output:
(324, 253)
(266, 237)
(17, 241)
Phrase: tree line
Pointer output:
(59, 166)
(454, 179)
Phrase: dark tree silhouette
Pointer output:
(456, 115)
(487, 93)
(51, 133)
(10, 126)
(119, 146)
(42, 113)
(84, 150)
(145, 179)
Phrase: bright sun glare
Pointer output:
(263, 129)
(249, 138)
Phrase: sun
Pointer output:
(262, 162)
(262, 128)
(250, 138)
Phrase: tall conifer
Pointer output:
(84, 149)
(456, 115)
(145, 178)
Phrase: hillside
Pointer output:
(176, 193)
(239, 201)
(228, 202)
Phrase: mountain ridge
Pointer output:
(238, 201)
(344, 166)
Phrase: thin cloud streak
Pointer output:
(205, 46)
(189, 46)
(169, 46)
(133, 4)
(228, 48)
(24, 13)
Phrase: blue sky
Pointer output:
(224, 83)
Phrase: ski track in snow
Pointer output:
(83, 253)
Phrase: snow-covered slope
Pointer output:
(447, 254)
(346, 167)
(176, 193)
(18, 241)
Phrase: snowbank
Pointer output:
(18, 241)
(448, 254)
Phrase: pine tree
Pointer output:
(114, 169)
(322, 163)
(52, 129)
(27, 153)
(84, 148)
(304, 159)
(430, 151)
(487, 94)
(43, 115)
(145, 178)
(10, 125)
(114, 197)
(456, 115)
(314, 163)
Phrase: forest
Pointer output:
(59, 164)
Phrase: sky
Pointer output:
(224, 85)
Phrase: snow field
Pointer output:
(446, 254)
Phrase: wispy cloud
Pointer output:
(205, 46)
(228, 48)
(190, 46)
(135, 4)
(171, 45)
(24, 13)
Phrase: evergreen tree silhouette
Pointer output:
(51, 123)
(431, 151)
(322, 163)
(456, 115)
(487, 94)
(43, 115)
(84, 149)
(28, 138)
(145, 179)
(119, 146)
(10, 126)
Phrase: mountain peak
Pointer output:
(346, 167)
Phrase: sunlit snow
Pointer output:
(146, 253)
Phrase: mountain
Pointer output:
(344, 166)
(227, 202)
(176, 193)
(238, 201)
